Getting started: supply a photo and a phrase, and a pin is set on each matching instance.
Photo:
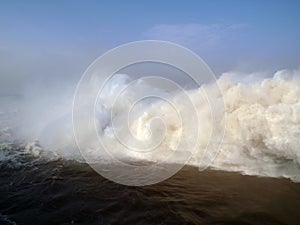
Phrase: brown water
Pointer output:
(67, 192)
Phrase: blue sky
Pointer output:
(60, 38)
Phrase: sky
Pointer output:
(53, 42)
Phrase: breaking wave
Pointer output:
(262, 120)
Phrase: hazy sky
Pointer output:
(54, 41)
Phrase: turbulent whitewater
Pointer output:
(261, 120)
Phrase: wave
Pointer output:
(262, 120)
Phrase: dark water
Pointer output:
(67, 192)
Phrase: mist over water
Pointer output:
(262, 124)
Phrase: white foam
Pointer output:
(262, 126)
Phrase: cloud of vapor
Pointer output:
(40, 83)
